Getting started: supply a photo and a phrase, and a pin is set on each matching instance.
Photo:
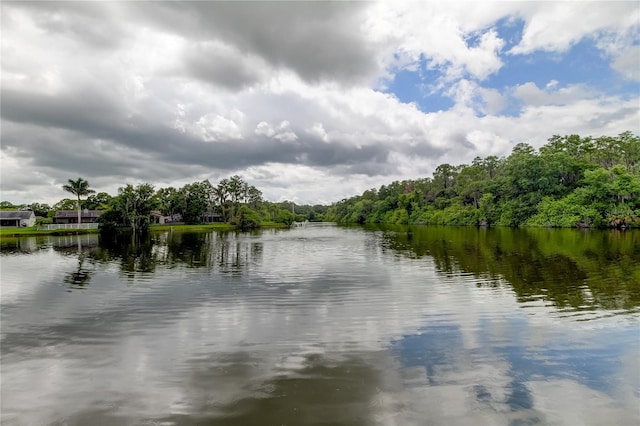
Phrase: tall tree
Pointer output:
(171, 201)
(254, 196)
(196, 201)
(99, 201)
(40, 209)
(135, 205)
(79, 188)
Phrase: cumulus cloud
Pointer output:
(223, 65)
(317, 40)
(551, 94)
(440, 35)
(627, 63)
(170, 91)
(317, 130)
(214, 127)
(557, 26)
(471, 95)
(281, 132)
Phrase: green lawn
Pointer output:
(34, 231)
(182, 227)
(209, 226)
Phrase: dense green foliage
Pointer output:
(572, 181)
(232, 201)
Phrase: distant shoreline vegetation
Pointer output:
(571, 182)
(232, 204)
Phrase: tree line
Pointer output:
(232, 200)
(571, 181)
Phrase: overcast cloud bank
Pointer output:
(308, 101)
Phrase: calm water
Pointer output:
(323, 325)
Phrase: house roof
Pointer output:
(74, 213)
(16, 214)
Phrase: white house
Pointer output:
(17, 218)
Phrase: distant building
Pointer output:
(211, 217)
(17, 218)
(157, 218)
(71, 216)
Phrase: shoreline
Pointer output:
(34, 232)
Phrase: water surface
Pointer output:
(323, 325)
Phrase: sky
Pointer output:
(308, 101)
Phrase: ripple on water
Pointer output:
(340, 324)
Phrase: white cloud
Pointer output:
(214, 127)
(317, 130)
(282, 132)
(469, 94)
(628, 63)
(127, 108)
(532, 95)
(439, 33)
(556, 26)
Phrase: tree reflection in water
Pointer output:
(575, 270)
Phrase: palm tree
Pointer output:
(79, 188)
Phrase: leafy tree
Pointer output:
(444, 177)
(196, 201)
(40, 209)
(567, 212)
(254, 197)
(220, 195)
(626, 186)
(607, 151)
(285, 217)
(170, 201)
(99, 201)
(471, 182)
(247, 218)
(7, 205)
(79, 188)
(64, 204)
(630, 151)
(132, 207)
(571, 181)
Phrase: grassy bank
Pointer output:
(34, 231)
(223, 226)
(182, 227)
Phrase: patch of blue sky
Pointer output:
(510, 30)
(582, 64)
(415, 86)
